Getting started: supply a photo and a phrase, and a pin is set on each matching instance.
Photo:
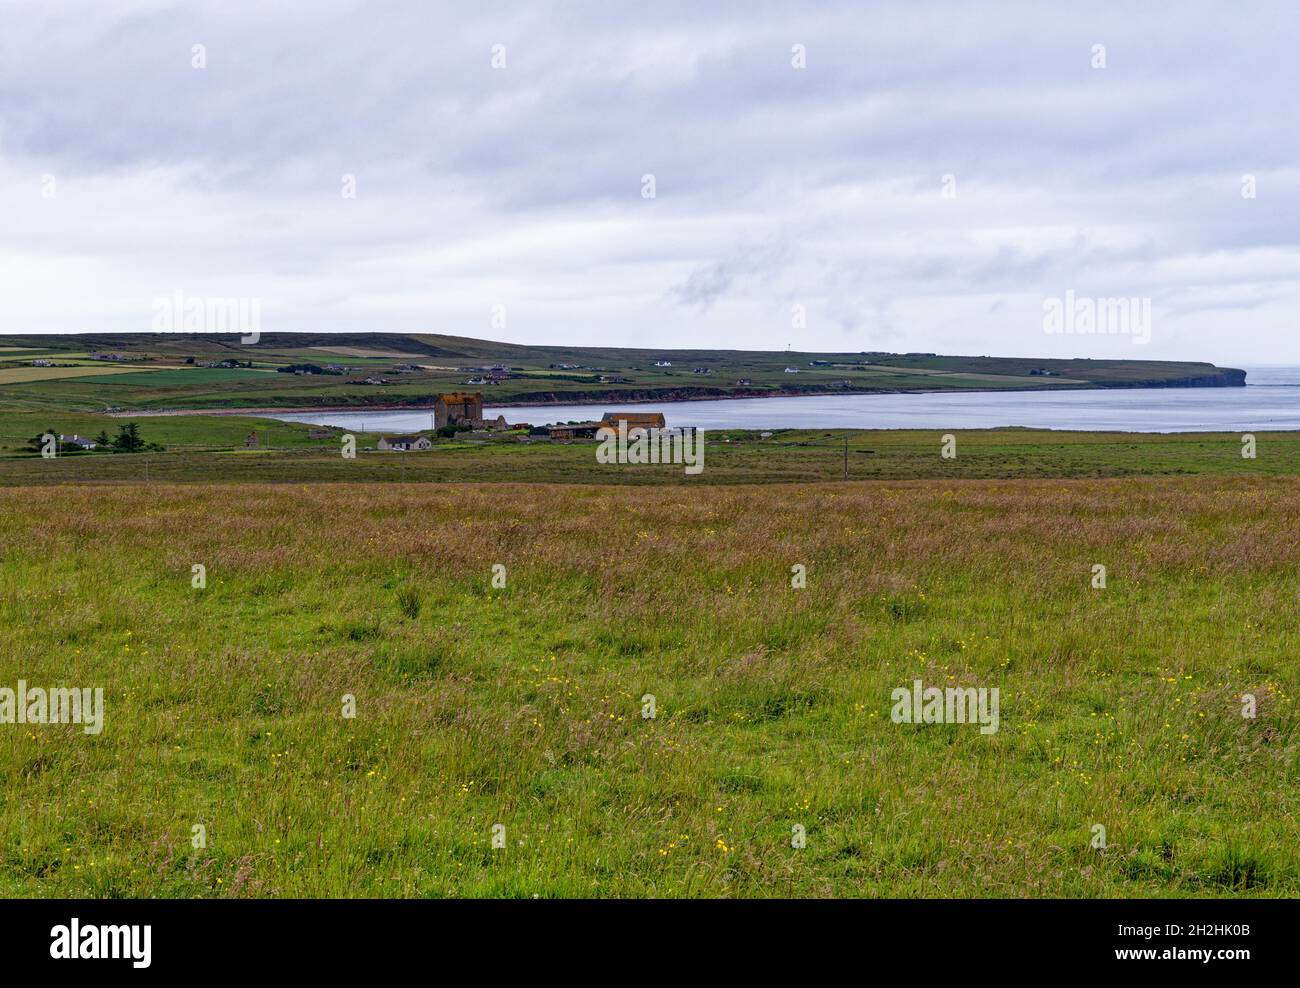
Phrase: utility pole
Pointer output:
(846, 456)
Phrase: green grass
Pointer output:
(195, 444)
(22, 375)
(178, 433)
(522, 706)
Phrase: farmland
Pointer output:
(503, 668)
(26, 375)
(207, 449)
(393, 370)
(522, 705)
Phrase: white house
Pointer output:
(405, 444)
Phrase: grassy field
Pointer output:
(22, 375)
(522, 706)
(199, 449)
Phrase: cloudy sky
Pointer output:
(932, 175)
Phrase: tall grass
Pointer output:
(523, 705)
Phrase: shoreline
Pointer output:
(264, 412)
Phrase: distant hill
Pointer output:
(178, 370)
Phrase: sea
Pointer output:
(1269, 401)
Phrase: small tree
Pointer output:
(128, 438)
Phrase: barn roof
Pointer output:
(635, 420)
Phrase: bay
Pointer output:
(1269, 401)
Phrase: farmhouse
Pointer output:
(634, 420)
(570, 430)
(405, 444)
(458, 409)
(75, 440)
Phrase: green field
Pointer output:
(533, 374)
(194, 444)
(522, 706)
(26, 375)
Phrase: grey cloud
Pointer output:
(524, 183)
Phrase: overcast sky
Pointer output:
(126, 173)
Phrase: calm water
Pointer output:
(1270, 400)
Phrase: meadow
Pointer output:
(522, 706)
(209, 448)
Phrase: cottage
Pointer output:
(405, 444)
(458, 409)
(75, 440)
(663, 363)
(743, 382)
